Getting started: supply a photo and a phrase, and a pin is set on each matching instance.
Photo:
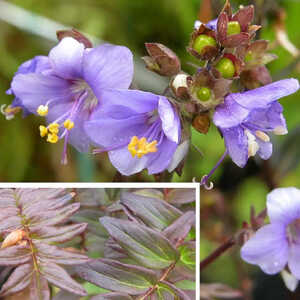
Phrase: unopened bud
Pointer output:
(162, 60)
(73, 33)
(179, 86)
(201, 123)
(13, 238)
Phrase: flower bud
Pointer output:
(179, 86)
(201, 123)
(203, 41)
(233, 27)
(161, 60)
(226, 67)
(78, 36)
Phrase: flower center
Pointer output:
(140, 147)
(91, 100)
(293, 231)
(253, 146)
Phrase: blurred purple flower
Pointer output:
(211, 24)
(245, 119)
(67, 87)
(138, 129)
(278, 243)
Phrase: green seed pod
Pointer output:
(248, 56)
(204, 94)
(233, 27)
(226, 67)
(202, 41)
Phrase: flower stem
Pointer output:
(205, 178)
(216, 253)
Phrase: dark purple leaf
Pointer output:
(7, 198)
(113, 250)
(115, 276)
(112, 296)
(18, 280)
(178, 231)
(53, 217)
(59, 234)
(33, 208)
(181, 196)
(39, 289)
(60, 278)
(147, 246)
(15, 255)
(52, 253)
(30, 196)
(7, 212)
(154, 212)
(10, 223)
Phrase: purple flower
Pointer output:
(138, 129)
(211, 24)
(38, 64)
(278, 243)
(245, 119)
(67, 86)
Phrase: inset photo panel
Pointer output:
(250, 242)
(97, 242)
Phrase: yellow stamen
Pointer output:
(42, 110)
(53, 128)
(140, 147)
(68, 124)
(52, 138)
(43, 130)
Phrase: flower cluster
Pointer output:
(85, 94)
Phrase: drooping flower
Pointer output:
(67, 87)
(245, 119)
(277, 244)
(138, 129)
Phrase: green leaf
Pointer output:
(115, 276)
(147, 246)
(186, 285)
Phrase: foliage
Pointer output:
(133, 244)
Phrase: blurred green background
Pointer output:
(26, 157)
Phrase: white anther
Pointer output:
(280, 130)
(263, 136)
(252, 144)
